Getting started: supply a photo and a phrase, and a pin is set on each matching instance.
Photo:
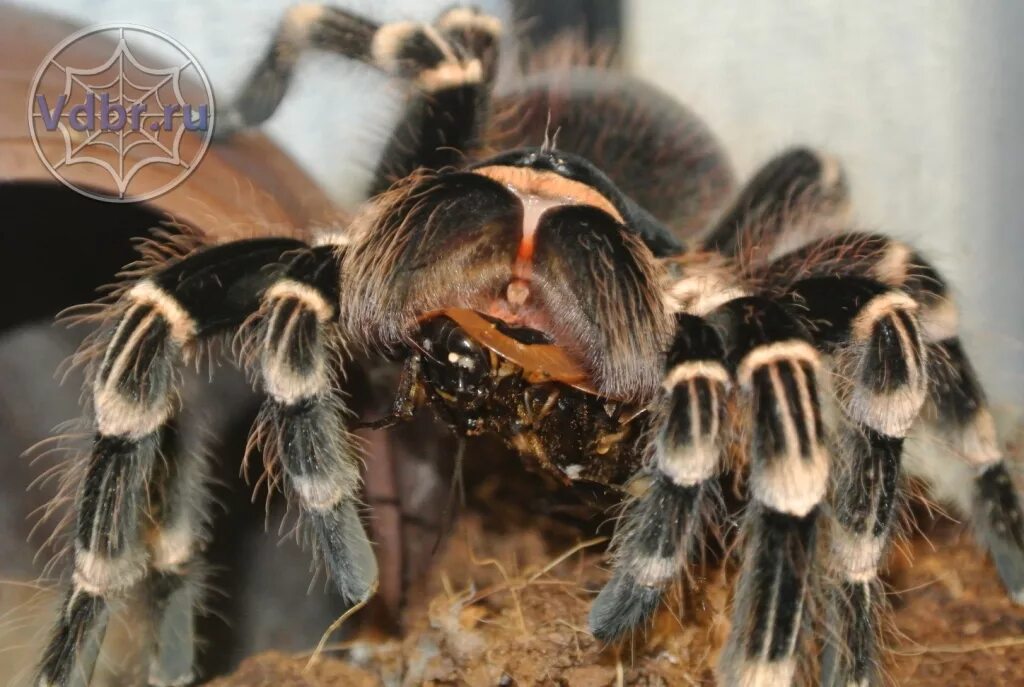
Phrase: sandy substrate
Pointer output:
(507, 609)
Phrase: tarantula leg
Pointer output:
(70, 657)
(181, 508)
(450, 63)
(956, 410)
(304, 26)
(658, 531)
(798, 186)
(473, 33)
(134, 395)
(453, 65)
(303, 421)
(776, 368)
(134, 390)
(879, 367)
(173, 598)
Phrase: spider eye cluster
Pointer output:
(454, 363)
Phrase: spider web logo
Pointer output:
(120, 113)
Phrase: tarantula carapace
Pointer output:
(538, 294)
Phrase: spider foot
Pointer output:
(622, 606)
(1001, 526)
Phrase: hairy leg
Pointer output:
(659, 531)
(303, 425)
(133, 380)
(797, 195)
(878, 363)
(956, 417)
(449, 65)
(776, 369)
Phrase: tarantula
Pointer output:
(532, 295)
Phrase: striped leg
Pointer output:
(956, 411)
(134, 396)
(180, 498)
(305, 26)
(134, 391)
(880, 379)
(444, 120)
(776, 369)
(658, 531)
(303, 423)
(450, 63)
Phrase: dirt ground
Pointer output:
(507, 609)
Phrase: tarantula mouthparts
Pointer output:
(528, 297)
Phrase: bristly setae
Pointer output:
(537, 294)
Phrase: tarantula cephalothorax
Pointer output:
(530, 297)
